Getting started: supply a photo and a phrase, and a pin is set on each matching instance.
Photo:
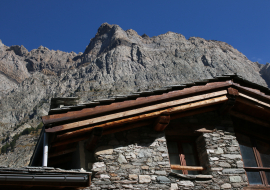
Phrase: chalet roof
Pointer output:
(73, 105)
(71, 114)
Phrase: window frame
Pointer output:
(260, 168)
(181, 154)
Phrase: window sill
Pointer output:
(192, 177)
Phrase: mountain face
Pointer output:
(115, 62)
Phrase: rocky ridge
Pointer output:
(114, 62)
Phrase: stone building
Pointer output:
(212, 134)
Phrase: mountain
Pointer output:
(115, 62)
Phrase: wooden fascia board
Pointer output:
(89, 112)
(252, 93)
(151, 115)
(129, 113)
(255, 100)
(253, 104)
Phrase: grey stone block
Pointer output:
(233, 171)
(163, 179)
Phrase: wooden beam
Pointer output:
(162, 122)
(139, 117)
(189, 168)
(254, 100)
(66, 140)
(254, 93)
(233, 91)
(253, 104)
(81, 134)
(93, 139)
(195, 112)
(129, 126)
(249, 118)
(76, 134)
(87, 112)
(62, 152)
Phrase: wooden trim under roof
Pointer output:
(138, 111)
(188, 106)
(129, 104)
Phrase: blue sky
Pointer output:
(69, 25)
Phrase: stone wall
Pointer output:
(138, 159)
(225, 160)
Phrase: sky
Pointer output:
(69, 25)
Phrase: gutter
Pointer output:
(42, 178)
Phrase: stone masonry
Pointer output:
(138, 159)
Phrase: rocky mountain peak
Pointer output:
(18, 50)
(103, 29)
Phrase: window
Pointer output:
(182, 154)
(256, 157)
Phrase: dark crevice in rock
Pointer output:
(205, 61)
